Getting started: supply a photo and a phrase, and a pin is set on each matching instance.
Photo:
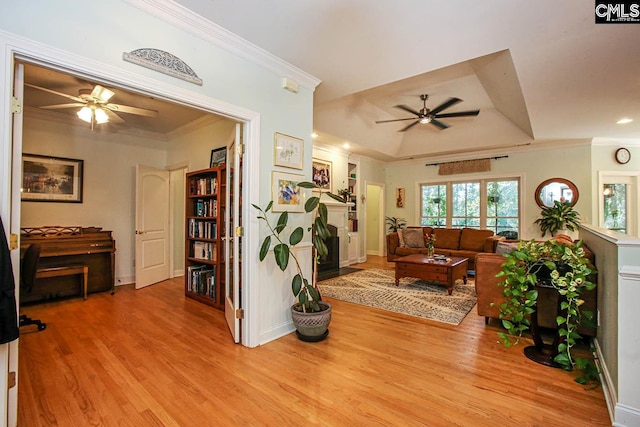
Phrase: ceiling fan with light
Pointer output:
(426, 115)
(95, 106)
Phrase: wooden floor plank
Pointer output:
(150, 357)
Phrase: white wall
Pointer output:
(109, 182)
(536, 164)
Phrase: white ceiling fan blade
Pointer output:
(113, 117)
(61, 106)
(132, 110)
(74, 98)
(100, 93)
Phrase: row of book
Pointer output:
(205, 208)
(203, 186)
(203, 250)
(201, 279)
(202, 229)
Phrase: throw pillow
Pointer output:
(413, 237)
(503, 248)
(401, 238)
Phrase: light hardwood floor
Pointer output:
(153, 358)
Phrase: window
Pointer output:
(502, 208)
(434, 205)
(488, 204)
(466, 205)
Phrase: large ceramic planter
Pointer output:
(312, 326)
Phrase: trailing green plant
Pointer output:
(304, 290)
(558, 217)
(569, 271)
(394, 224)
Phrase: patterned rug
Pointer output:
(415, 297)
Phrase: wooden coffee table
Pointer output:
(424, 267)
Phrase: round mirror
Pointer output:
(553, 189)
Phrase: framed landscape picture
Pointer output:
(288, 151)
(322, 173)
(285, 193)
(51, 179)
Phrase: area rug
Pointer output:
(415, 297)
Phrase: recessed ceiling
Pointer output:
(569, 78)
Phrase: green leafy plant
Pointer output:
(558, 217)
(394, 224)
(569, 272)
(304, 290)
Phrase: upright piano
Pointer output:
(61, 246)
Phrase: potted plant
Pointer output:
(310, 315)
(345, 194)
(561, 216)
(395, 224)
(569, 273)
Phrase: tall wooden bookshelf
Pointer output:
(204, 254)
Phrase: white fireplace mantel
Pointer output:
(337, 215)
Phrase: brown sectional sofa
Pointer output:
(490, 294)
(459, 242)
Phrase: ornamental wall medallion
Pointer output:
(163, 62)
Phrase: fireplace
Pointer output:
(331, 261)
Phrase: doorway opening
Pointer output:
(117, 144)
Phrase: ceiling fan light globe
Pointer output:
(85, 114)
(425, 120)
(101, 116)
(102, 93)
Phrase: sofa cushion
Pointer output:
(447, 238)
(473, 239)
(506, 247)
(400, 238)
(413, 238)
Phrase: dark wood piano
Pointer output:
(63, 246)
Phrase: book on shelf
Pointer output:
(205, 208)
(202, 186)
(201, 279)
(202, 229)
(203, 250)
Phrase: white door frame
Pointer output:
(15, 48)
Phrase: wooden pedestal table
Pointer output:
(428, 268)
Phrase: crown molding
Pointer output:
(189, 21)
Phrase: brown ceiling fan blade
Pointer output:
(438, 124)
(44, 89)
(61, 106)
(409, 127)
(113, 117)
(459, 114)
(394, 120)
(444, 105)
(408, 109)
(132, 110)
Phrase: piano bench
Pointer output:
(67, 270)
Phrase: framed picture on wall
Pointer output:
(218, 157)
(285, 193)
(51, 179)
(322, 173)
(288, 151)
(400, 197)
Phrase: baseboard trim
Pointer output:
(125, 280)
(277, 332)
(626, 416)
(608, 388)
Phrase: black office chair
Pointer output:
(28, 270)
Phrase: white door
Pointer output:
(233, 235)
(152, 225)
(9, 352)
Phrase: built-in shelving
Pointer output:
(204, 256)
